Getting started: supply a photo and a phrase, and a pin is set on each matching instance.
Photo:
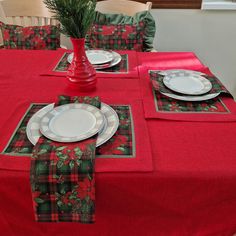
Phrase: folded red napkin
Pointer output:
(62, 176)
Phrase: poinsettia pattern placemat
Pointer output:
(121, 145)
(157, 105)
(122, 67)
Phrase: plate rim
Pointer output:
(192, 98)
(32, 138)
(45, 121)
(206, 83)
(116, 60)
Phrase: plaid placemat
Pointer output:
(166, 104)
(121, 145)
(122, 67)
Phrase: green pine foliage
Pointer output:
(75, 16)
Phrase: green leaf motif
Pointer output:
(39, 200)
(71, 164)
(60, 163)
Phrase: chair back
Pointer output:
(27, 13)
(126, 7)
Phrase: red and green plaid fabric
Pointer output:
(122, 32)
(166, 104)
(122, 67)
(31, 37)
(117, 37)
(121, 145)
(62, 176)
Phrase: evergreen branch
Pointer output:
(75, 16)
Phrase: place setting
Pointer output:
(104, 61)
(73, 122)
(186, 95)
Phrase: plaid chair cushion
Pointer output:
(120, 32)
(31, 37)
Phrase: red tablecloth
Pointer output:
(190, 191)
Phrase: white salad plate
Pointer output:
(111, 124)
(187, 83)
(192, 98)
(71, 122)
(95, 57)
(116, 58)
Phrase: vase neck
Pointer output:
(78, 45)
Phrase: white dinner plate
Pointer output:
(95, 57)
(72, 122)
(187, 83)
(116, 60)
(192, 98)
(111, 123)
(169, 72)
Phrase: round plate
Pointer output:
(168, 72)
(95, 57)
(72, 122)
(187, 83)
(192, 98)
(116, 60)
(111, 123)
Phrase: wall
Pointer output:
(210, 34)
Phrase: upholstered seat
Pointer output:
(28, 25)
(121, 25)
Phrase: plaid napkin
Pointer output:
(157, 82)
(62, 176)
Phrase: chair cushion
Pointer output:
(118, 31)
(31, 37)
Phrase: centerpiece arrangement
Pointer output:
(76, 17)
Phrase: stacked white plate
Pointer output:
(100, 59)
(73, 122)
(188, 85)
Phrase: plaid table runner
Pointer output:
(122, 67)
(62, 177)
(166, 104)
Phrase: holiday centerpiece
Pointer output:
(76, 17)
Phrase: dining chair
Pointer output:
(127, 7)
(29, 13)
(122, 24)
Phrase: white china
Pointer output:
(95, 57)
(192, 98)
(187, 83)
(168, 72)
(111, 123)
(116, 58)
(72, 122)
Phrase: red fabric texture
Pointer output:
(48, 69)
(151, 112)
(191, 190)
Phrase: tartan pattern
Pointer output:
(63, 182)
(116, 37)
(62, 176)
(31, 37)
(121, 145)
(122, 67)
(166, 104)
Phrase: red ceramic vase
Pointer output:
(81, 74)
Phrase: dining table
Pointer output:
(176, 174)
